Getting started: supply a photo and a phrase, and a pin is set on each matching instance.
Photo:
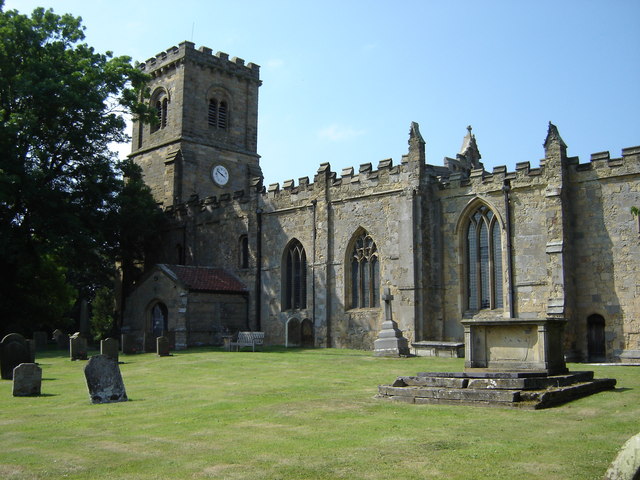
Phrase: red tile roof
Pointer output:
(207, 279)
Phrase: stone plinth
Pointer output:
(514, 344)
(428, 348)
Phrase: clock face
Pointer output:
(220, 175)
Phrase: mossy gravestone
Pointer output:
(104, 380)
(14, 350)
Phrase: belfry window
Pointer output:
(484, 261)
(365, 273)
(218, 114)
(161, 107)
(294, 281)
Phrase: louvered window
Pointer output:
(222, 115)
(213, 112)
(161, 107)
(218, 114)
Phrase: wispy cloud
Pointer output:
(339, 133)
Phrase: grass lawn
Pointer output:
(297, 414)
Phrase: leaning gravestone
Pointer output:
(626, 465)
(104, 380)
(77, 347)
(162, 346)
(27, 380)
(14, 350)
(109, 347)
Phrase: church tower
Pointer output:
(205, 141)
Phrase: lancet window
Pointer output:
(484, 261)
(294, 281)
(365, 273)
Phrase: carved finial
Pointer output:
(469, 129)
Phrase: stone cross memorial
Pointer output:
(27, 380)
(390, 342)
(104, 380)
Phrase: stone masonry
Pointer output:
(565, 243)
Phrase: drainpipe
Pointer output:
(259, 269)
(506, 189)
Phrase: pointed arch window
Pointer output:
(294, 281)
(365, 273)
(161, 107)
(484, 261)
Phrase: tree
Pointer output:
(102, 314)
(61, 105)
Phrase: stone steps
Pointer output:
(509, 389)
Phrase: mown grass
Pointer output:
(297, 414)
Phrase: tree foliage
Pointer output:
(102, 314)
(62, 192)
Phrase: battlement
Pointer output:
(349, 177)
(629, 162)
(203, 55)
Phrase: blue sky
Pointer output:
(343, 80)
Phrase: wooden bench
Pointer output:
(247, 339)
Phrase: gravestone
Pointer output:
(31, 347)
(626, 465)
(27, 380)
(14, 350)
(162, 346)
(40, 339)
(149, 342)
(104, 380)
(61, 339)
(129, 345)
(77, 347)
(109, 347)
(390, 342)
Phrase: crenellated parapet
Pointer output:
(524, 174)
(203, 56)
(351, 181)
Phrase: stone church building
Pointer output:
(307, 261)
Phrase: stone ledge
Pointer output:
(438, 349)
(528, 390)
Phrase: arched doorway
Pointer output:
(596, 346)
(306, 334)
(293, 332)
(159, 320)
